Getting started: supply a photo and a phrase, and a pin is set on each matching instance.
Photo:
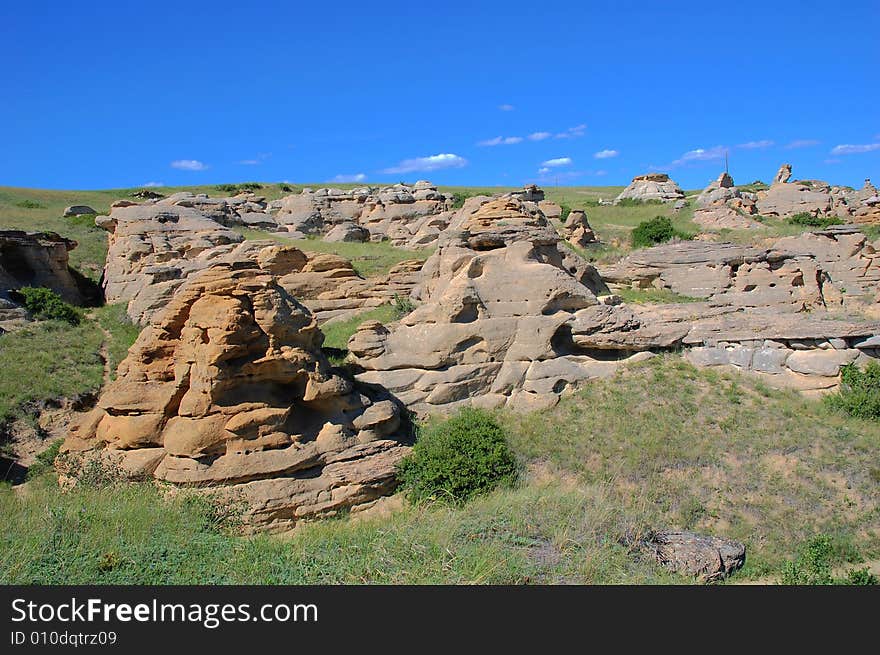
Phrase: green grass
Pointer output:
(337, 333)
(49, 359)
(618, 457)
(53, 359)
(371, 258)
(646, 296)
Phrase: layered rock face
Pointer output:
(154, 249)
(721, 205)
(785, 198)
(408, 216)
(654, 186)
(37, 259)
(824, 269)
(506, 318)
(227, 389)
(577, 230)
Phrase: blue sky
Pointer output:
(109, 94)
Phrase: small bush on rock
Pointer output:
(458, 459)
(658, 230)
(859, 393)
(45, 303)
(808, 220)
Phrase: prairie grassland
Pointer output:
(659, 445)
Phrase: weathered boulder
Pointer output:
(654, 186)
(783, 175)
(348, 232)
(702, 556)
(78, 210)
(227, 390)
(577, 230)
(722, 206)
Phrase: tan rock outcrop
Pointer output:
(227, 389)
(653, 186)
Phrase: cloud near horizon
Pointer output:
(188, 165)
(151, 184)
(850, 149)
(555, 163)
(430, 163)
(357, 177)
(699, 154)
(606, 154)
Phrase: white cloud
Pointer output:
(559, 161)
(801, 143)
(188, 165)
(431, 163)
(539, 136)
(357, 177)
(755, 145)
(149, 184)
(506, 107)
(543, 170)
(849, 149)
(700, 154)
(573, 132)
(249, 162)
(606, 154)
(501, 141)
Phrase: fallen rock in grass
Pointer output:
(702, 556)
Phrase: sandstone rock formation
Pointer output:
(721, 205)
(408, 216)
(653, 186)
(785, 198)
(506, 318)
(577, 230)
(826, 268)
(227, 389)
(37, 259)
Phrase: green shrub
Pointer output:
(860, 578)
(45, 461)
(458, 199)
(808, 220)
(84, 220)
(635, 202)
(402, 305)
(45, 303)
(566, 210)
(813, 565)
(859, 393)
(658, 230)
(458, 459)
(286, 188)
(29, 204)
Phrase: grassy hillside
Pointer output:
(713, 452)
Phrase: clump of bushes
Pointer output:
(29, 204)
(859, 393)
(658, 230)
(637, 202)
(45, 460)
(458, 459)
(808, 220)
(813, 567)
(45, 303)
(238, 188)
(84, 220)
(402, 305)
(458, 199)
